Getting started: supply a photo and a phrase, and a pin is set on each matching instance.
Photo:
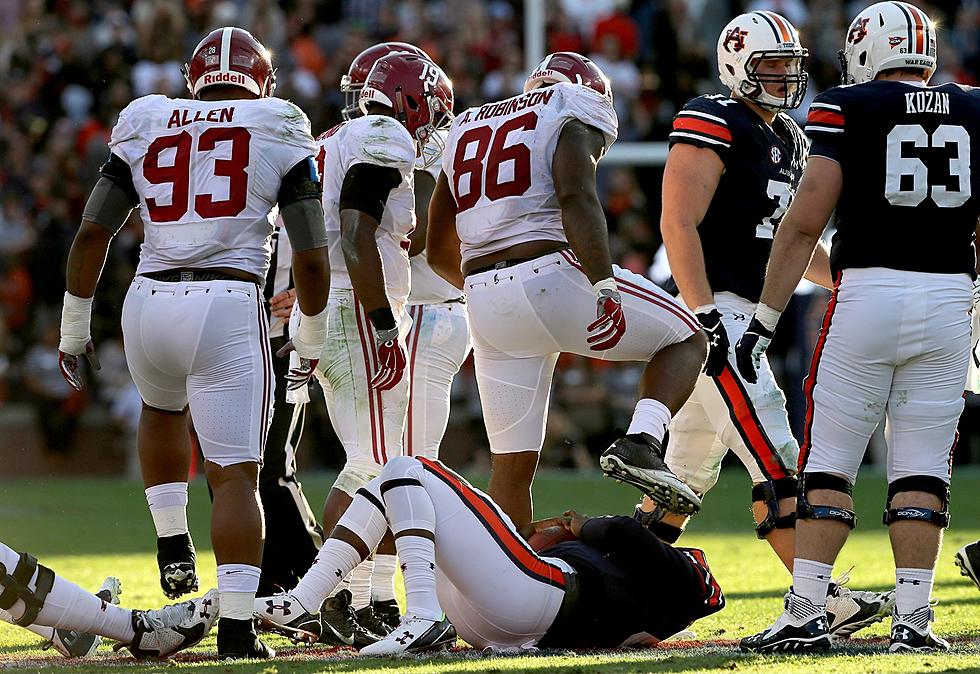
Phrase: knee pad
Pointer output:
(928, 484)
(16, 586)
(352, 478)
(805, 511)
(770, 493)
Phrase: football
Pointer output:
(541, 540)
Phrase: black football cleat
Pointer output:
(913, 633)
(388, 613)
(414, 635)
(237, 640)
(177, 561)
(968, 559)
(373, 629)
(283, 614)
(638, 459)
(801, 627)
(339, 625)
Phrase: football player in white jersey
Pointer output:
(32, 596)
(206, 175)
(516, 213)
(367, 164)
(439, 339)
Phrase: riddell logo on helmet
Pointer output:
(735, 40)
(225, 78)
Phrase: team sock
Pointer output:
(237, 584)
(913, 587)
(336, 558)
(650, 416)
(168, 507)
(383, 577)
(360, 585)
(811, 580)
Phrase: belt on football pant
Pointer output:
(193, 275)
(504, 264)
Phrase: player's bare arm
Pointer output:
(793, 246)
(690, 179)
(573, 168)
(442, 239)
(110, 203)
(425, 184)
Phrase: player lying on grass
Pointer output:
(469, 571)
(32, 596)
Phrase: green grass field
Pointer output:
(87, 529)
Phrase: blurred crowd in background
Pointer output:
(67, 67)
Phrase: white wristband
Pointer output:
(768, 316)
(76, 324)
(311, 335)
(605, 284)
(705, 308)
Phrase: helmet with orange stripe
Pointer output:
(885, 36)
(761, 59)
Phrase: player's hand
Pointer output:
(68, 362)
(574, 522)
(281, 304)
(298, 376)
(391, 360)
(749, 350)
(717, 342)
(610, 324)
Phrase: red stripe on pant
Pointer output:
(748, 425)
(644, 294)
(416, 333)
(377, 394)
(365, 338)
(712, 590)
(811, 378)
(510, 542)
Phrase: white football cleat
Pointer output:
(165, 631)
(414, 635)
(74, 644)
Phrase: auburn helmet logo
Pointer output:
(858, 31)
(735, 40)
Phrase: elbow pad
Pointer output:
(366, 188)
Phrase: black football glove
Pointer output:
(749, 350)
(717, 342)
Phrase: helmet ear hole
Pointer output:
(730, 68)
(863, 58)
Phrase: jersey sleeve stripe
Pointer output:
(827, 129)
(825, 106)
(825, 117)
(702, 115)
(696, 136)
(712, 129)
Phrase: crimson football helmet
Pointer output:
(360, 67)
(231, 56)
(418, 91)
(567, 66)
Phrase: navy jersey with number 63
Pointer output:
(909, 198)
(763, 165)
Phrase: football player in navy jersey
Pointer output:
(891, 155)
(734, 165)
